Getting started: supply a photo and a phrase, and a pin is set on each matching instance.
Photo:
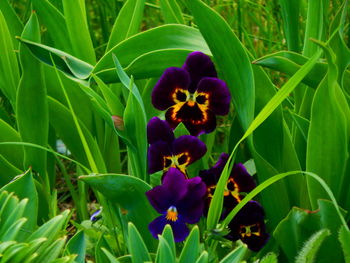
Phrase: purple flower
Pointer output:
(165, 151)
(96, 215)
(238, 183)
(249, 226)
(192, 94)
(179, 201)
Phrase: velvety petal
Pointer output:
(199, 65)
(252, 214)
(191, 145)
(211, 176)
(191, 206)
(156, 153)
(218, 95)
(165, 90)
(180, 230)
(173, 188)
(159, 130)
(196, 120)
(242, 178)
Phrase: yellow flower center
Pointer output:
(248, 231)
(179, 161)
(171, 214)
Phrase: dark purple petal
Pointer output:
(250, 217)
(242, 178)
(173, 188)
(169, 87)
(191, 206)
(158, 130)
(211, 176)
(180, 230)
(156, 153)
(218, 95)
(199, 65)
(191, 145)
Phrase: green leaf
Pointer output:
(308, 253)
(170, 38)
(164, 253)
(23, 187)
(171, 12)
(203, 258)
(14, 24)
(128, 192)
(55, 23)
(290, 14)
(68, 64)
(32, 109)
(328, 134)
(77, 245)
(14, 155)
(190, 250)
(78, 31)
(137, 247)
(9, 70)
(127, 23)
(236, 255)
(232, 60)
(344, 238)
(53, 251)
(169, 237)
(269, 258)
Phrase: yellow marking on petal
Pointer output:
(171, 214)
(176, 109)
(246, 231)
(180, 90)
(174, 162)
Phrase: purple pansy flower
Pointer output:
(179, 201)
(192, 95)
(249, 226)
(165, 151)
(239, 182)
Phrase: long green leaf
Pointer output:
(137, 247)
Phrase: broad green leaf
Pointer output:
(55, 23)
(78, 31)
(53, 251)
(269, 258)
(190, 251)
(164, 253)
(110, 256)
(128, 192)
(14, 154)
(12, 251)
(30, 250)
(77, 245)
(231, 59)
(203, 258)
(9, 70)
(32, 109)
(61, 119)
(328, 134)
(13, 230)
(290, 14)
(137, 247)
(128, 22)
(236, 255)
(169, 37)
(302, 124)
(169, 237)
(344, 238)
(171, 12)
(8, 171)
(14, 24)
(308, 253)
(23, 187)
(68, 64)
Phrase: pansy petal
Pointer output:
(249, 226)
(242, 178)
(180, 230)
(199, 65)
(158, 130)
(218, 95)
(170, 87)
(192, 205)
(173, 188)
(156, 153)
(211, 176)
(193, 148)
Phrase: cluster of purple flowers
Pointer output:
(194, 96)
